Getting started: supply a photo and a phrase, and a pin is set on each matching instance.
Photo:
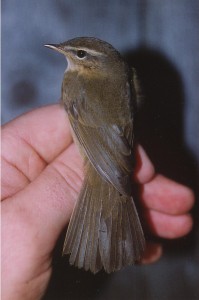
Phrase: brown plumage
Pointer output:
(98, 93)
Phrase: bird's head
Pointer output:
(88, 53)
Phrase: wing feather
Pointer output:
(103, 131)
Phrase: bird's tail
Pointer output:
(104, 230)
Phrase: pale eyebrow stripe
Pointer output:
(94, 52)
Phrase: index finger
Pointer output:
(29, 143)
(45, 129)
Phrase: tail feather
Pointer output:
(104, 230)
(91, 247)
(77, 224)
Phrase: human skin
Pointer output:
(42, 173)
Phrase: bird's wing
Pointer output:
(107, 146)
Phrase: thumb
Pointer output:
(35, 216)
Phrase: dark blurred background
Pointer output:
(160, 39)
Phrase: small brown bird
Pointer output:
(99, 94)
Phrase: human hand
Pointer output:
(41, 177)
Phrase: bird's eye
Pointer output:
(81, 53)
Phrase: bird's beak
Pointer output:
(56, 47)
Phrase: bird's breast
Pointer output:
(107, 95)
